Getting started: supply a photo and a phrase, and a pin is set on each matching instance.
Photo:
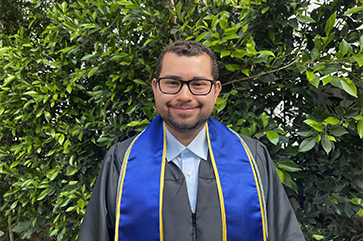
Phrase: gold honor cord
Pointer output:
(220, 193)
(259, 197)
(161, 228)
(263, 211)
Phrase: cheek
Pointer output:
(161, 100)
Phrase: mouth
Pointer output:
(184, 109)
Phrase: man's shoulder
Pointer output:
(258, 150)
(121, 147)
(253, 144)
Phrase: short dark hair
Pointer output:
(188, 48)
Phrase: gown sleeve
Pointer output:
(282, 222)
(99, 221)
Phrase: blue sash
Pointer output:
(140, 190)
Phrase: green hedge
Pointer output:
(75, 78)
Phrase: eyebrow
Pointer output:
(178, 77)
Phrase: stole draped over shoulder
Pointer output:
(140, 192)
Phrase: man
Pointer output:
(187, 176)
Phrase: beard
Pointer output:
(182, 124)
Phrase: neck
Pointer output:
(184, 138)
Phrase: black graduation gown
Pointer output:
(179, 221)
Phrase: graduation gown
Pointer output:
(179, 221)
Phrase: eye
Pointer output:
(199, 83)
(171, 82)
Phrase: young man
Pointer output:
(187, 176)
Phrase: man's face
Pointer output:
(185, 112)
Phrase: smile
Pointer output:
(184, 109)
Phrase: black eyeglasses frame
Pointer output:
(213, 82)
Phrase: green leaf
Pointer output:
(328, 68)
(9, 79)
(64, 7)
(70, 209)
(239, 53)
(52, 174)
(305, 19)
(338, 131)
(313, 79)
(201, 36)
(343, 47)
(353, 10)
(265, 10)
(119, 56)
(356, 201)
(32, 93)
(326, 143)
(1, 233)
(360, 212)
(225, 53)
(92, 72)
(138, 123)
(139, 82)
(267, 52)
(318, 237)
(358, 58)
(220, 104)
(289, 182)
(61, 139)
(71, 183)
(54, 232)
(360, 128)
(128, 4)
(72, 171)
(21, 227)
(330, 23)
(272, 136)
(264, 119)
(317, 126)
(280, 174)
(307, 144)
(69, 89)
(231, 36)
(43, 194)
(289, 166)
(233, 67)
(87, 57)
(332, 120)
(13, 206)
(349, 87)
(14, 164)
(230, 31)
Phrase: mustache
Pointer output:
(183, 106)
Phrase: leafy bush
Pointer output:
(75, 78)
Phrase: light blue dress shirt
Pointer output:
(188, 159)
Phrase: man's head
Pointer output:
(185, 112)
(188, 48)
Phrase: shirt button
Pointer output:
(189, 173)
(185, 151)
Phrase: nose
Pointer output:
(184, 94)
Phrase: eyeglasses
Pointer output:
(172, 85)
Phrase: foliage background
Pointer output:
(75, 78)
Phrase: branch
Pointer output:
(11, 235)
(262, 74)
(173, 18)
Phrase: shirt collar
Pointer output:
(198, 146)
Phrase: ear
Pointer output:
(153, 84)
(218, 88)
